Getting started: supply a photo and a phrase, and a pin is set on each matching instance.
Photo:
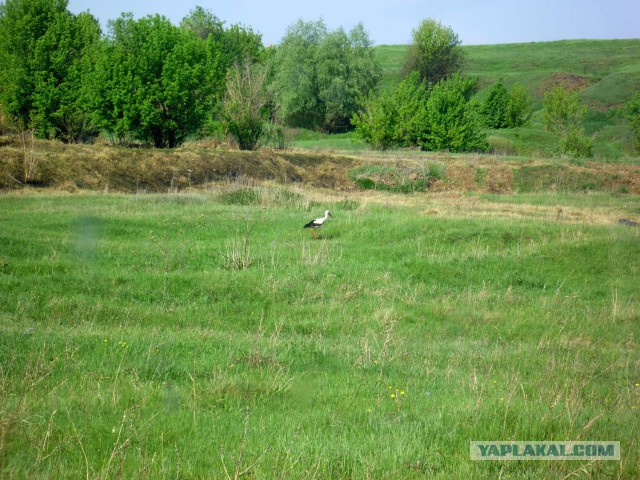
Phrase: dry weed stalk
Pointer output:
(238, 254)
(240, 469)
(29, 160)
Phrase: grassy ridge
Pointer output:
(193, 166)
(134, 342)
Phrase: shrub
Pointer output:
(454, 122)
(562, 110)
(377, 121)
(563, 113)
(439, 118)
(519, 107)
(494, 108)
(410, 101)
(576, 144)
(633, 117)
(242, 196)
(504, 109)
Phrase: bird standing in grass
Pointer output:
(317, 223)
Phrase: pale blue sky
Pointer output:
(475, 21)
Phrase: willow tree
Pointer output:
(319, 78)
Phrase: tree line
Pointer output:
(151, 81)
(148, 80)
(145, 80)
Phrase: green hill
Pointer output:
(605, 72)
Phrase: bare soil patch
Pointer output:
(568, 81)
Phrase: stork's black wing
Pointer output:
(311, 224)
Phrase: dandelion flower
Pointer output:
(401, 392)
(393, 395)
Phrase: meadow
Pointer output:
(205, 334)
(164, 315)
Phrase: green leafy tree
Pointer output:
(318, 78)
(235, 43)
(240, 43)
(224, 46)
(203, 23)
(454, 123)
(243, 106)
(633, 116)
(45, 59)
(410, 99)
(22, 24)
(347, 69)
(435, 52)
(65, 55)
(152, 82)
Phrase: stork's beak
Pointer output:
(330, 215)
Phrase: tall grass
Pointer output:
(128, 348)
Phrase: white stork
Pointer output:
(318, 222)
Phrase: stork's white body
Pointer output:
(318, 222)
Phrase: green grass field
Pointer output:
(206, 335)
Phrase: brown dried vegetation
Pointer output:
(138, 170)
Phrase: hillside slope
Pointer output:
(606, 73)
